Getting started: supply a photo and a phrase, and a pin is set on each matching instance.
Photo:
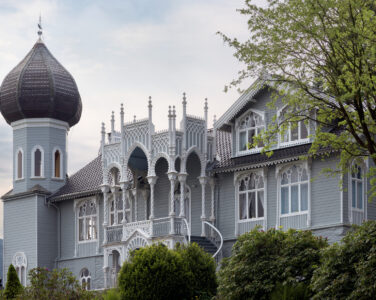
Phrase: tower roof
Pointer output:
(40, 87)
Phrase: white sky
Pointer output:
(124, 51)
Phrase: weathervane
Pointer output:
(40, 26)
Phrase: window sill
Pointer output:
(57, 179)
(361, 210)
(251, 220)
(37, 177)
(88, 241)
(293, 143)
(19, 179)
(294, 214)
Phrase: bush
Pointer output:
(112, 294)
(201, 269)
(299, 291)
(13, 286)
(261, 259)
(154, 272)
(347, 270)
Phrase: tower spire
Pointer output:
(40, 29)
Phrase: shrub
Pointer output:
(13, 286)
(201, 269)
(261, 259)
(154, 272)
(299, 291)
(112, 294)
(347, 270)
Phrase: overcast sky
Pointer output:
(124, 51)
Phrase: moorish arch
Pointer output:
(136, 242)
(156, 159)
(136, 149)
(191, 151)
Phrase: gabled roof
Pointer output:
(235, 108)
(84, 182)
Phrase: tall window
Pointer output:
(85, 279)
(294, 132)
(116, 210)
(294, 190)
(250, 125)
(87, 221)
(357, 187)
(57, 164)
(37, 162)
(19, 160)
(251, 197)
(19, 262)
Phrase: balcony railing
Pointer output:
(114, 234)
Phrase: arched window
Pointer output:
(37, 158)
(19, 164)
(87, 221)
(294, 190)
(249, 126)
(19, 262)
(251, 196)
(357, 186)
(116, 210)
(85, 279)
(57, 164)
(294, 133)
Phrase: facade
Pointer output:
(186, 183)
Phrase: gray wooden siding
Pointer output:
(162, 190)
(272, 197)
(67, 228)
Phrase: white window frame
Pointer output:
(85, 278)
(282, 143)
(291, 184)
(115, 198)
(363, 163)
(78, 217)
(35, 148)
(19, 262)
(246, 192)
(19, 149)
(61, 163)
(256, 128)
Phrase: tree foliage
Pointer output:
(13, 286)
(322, 57)
(347, 270)
(261, 259)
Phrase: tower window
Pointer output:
(19, 164)
(57, 164)
(85, 278)
(37, 162)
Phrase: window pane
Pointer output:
(360, 195)
(359, 173)
(252, 182)
(260, 204)
(19, 164)
(304, 197)
(37, 162)
(259, 132)
(260, 183)
(81, 229)
(304, 175)
(112, 205)
(252, 205)
(251, 134)
(303, 130)
(120, 216)
(353, 193)
(294, 198)
(88, 284)
(242, 141)
(112, 221)
(294, 174)
(284, 200)
(242, 186)
(285, 179)
(88, 228)
(242, 207)
(57, 164)
(94, 228)
(294, 133)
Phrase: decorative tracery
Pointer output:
(87, 221)
(249, 126)
(85, 278)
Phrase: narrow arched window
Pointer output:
(250, 126)
(19, 164)
(57, 171)
(85, 279)
(37, 163)
(357, 187)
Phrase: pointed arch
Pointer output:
(155, 159)
(130, 151)
(107, 174)
(37, 161)
(201, 157)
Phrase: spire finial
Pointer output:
(149, 101)
(40, 29)
(184, 99)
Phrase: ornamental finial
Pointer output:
(40, 29)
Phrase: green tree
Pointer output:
(13, 286)
(154, 272)
(347, 270)
(201, 270)
(321, 54)
(260, 260)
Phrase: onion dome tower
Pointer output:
(40, 100)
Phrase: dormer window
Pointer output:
(295, 133)
(250, 125)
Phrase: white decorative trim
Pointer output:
(56, 148)
(364, 165)
(35, 148)
(19, 262)
(40, 122)
(16, 178)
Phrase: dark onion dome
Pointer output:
(40, 87)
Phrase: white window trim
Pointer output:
(77, 205)
(279, 171)
(86, 278)
(296, 142)
(253, 150)
(19, 261)
(61, 164)
(16, 178)
(33, 162)
(116, 211)
(363, 163)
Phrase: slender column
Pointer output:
(134, 192)
(203, 181)
(105, 190)
(124, 186)
(214, 138)
(184, 124)
(112, 127)
(105, 275)
(205, 145)
(172, 177)
(212, 189)
(152, 181)
(150, 124)
(182, 179)
(115, 192)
